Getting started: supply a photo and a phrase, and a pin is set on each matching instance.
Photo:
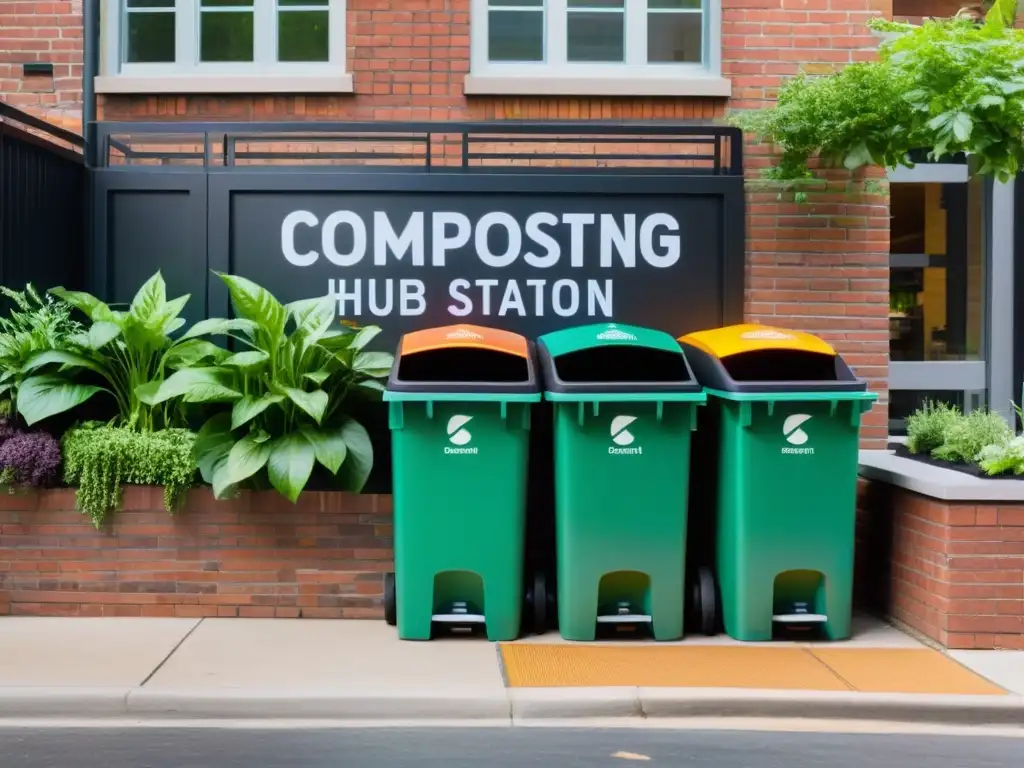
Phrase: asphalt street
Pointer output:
(492, 748)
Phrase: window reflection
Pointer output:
(936, 291)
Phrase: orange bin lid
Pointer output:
(751, 337)
(463, 336)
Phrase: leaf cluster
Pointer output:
(283, 392)
(948, 86)
(123, 353)
(35, 323)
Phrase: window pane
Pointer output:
(150, 4)
(672, 5)
(226, 30)
(596, 31)
(936, 272)
(675, 37)
(515, 35)
(302, 36)
(149, 37)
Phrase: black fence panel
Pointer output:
(43, 185)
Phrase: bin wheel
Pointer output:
(705, 601)
(540, 603)
(535, 615)
(390, 602)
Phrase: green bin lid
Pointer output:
(581, 337)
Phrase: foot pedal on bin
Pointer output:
(459, 615)
(624, 615)
(800, 616)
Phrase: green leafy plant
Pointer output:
(1003, 458)
(965, 438)
(927, 427)
(129, 353)
(34, 325)
(948, 86)
(100, 458)
(288, 388)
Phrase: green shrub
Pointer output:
(1003, 458)
(35, 324)
(965, 438)
(927, 427)
(286, 397)
(99, 459)
(124, 353)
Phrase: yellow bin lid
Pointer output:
(751, 337)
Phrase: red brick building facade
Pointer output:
(821, 267)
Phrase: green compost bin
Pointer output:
(780, 434)
(624, 402)
(459, 400)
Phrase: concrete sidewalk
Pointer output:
(359, 670)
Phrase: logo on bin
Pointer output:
(767, 335)
(459, 436)
(795, 435)
(614, 334)
(463, 334)
(621, 436)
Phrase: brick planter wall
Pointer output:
(257, 556)
(953, 571)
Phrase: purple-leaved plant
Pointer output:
(28, 459)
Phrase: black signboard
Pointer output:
(530, 262)
(529, 253)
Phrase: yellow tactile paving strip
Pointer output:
(903, 670)
(871, 670)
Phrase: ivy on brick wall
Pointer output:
(948, 86)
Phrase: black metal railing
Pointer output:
(42, 202)
(465, 147)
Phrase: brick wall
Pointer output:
(256, 556)
(822, 266)
(953, 571)
(48, 32)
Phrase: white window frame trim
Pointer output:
(556, 76)
(187, 75)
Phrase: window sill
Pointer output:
(241, 84)
(562, 85)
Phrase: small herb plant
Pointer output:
(982, 438)
(927, 427)
(99, 459)
(1003, 458)
(967, 436)
(287, 387)
(127, 353)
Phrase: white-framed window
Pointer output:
(253, 45)
(619, 42)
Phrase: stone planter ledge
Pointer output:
(937, 482)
